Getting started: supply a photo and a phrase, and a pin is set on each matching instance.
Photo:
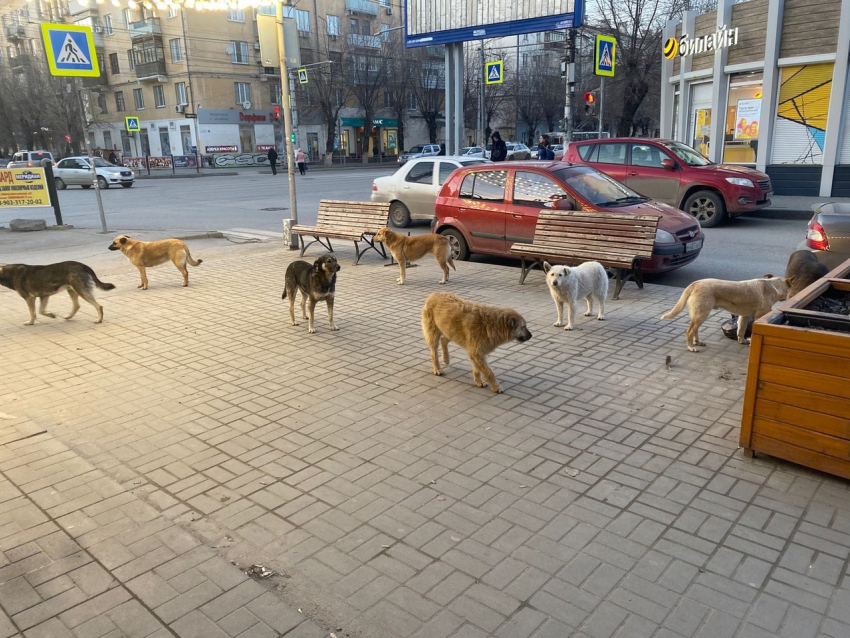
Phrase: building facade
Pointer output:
(764, 83)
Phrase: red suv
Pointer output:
(489, 207)
(674, 173)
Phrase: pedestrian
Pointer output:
(301, 160)
(112, 158)
(499, 150)
(544, 149)
(442, 149)
(273, 160)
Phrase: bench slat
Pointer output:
(587, 236)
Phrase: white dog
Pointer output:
(569, 284)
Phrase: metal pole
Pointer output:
(287, 123)
(449, 99)
(569, 68)
(458, 100)
(87, 107)
(601, 91)
(482, 107)
(191, 95)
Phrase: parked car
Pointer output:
(4, 162)
(486, 209)
(412, 189)
(517, 151)
(30, 159)
(557, 149)
(828, 234)
(76, 171)
(472, 151)
(421, 150)
(674, 173)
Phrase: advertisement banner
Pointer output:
(184, 161)
(231, 160)
(23, 187)
(135, 162)
(747, 119)
(264, 148)
(160, 162)
(221, 149)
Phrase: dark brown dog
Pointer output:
(806, 270)
(316, 282)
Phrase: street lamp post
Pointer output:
(287, 123)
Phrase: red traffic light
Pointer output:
(589, 97)
(277, 112)
(68, 139)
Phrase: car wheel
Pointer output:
(127, 184)
(102, 184)
(399, 215)
(60, 184)
(457, 244)
(86, 185)
(707, 207)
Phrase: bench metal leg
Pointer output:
(371, 245)
(637, 269)
(526, 270)
(316, 240)
(619, 282)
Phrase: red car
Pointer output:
(489, 207)
(674, 173)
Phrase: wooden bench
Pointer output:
(616, 240)
(354, 221)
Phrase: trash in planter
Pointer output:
(259, 571)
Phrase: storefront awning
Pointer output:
(376, 121)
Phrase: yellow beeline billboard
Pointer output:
(23, 187)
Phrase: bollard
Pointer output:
(52, 192)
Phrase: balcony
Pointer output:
(364, 7)
(15, 32)
(364, 41)
(146, 27)
(101, 80)
(151, 70)
(20, 63)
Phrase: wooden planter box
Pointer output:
(797, 399)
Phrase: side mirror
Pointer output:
(563, 204)
(669, 164)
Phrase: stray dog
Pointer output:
(405, 249)
(586, 281)
(315, 282)
(478, 328)
(806, 270)
(751, 298)
(44, 281)
(147, 254)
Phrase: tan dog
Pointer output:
(405, 249)
(147, 254)
(751, 298)
(478, 328)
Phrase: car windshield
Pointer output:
(597, 188)
(688, 155)
(102, 163)
(416, 149)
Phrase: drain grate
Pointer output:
(275, 208)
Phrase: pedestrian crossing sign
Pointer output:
(302, 76)
(494, 72)
(132, 124)
(70, 50)
(606, 50)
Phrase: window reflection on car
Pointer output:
(687, 154)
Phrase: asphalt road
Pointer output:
(745, 248)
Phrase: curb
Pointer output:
(188, 175)
(209, 234)
(781, 213)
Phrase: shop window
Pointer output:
(743, 115)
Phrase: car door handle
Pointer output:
(461, 209)
(517, 216)
(633, 173)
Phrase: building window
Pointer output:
(107, 24)
(159, 96)
(139, 99)
(743, 113)
(172, 12)
(337, 97)
(113, 64)
(385, 3)
(180, 93)
(333, 26)
(176, 50)
(101, 103)
(302, 18)
(236, 16)
(411, 100)
(243, 92)
(119, 101)
(385, 32)
(127, 18)
(388, 99)
(274, 93)
(267, 11)
(131, 59)
(240, 52)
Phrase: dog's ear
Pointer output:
(123, 240)
(547, 266)
(790, 280)
(768, 276)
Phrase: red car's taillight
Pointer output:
(816, 237)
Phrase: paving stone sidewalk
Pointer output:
(601, 495)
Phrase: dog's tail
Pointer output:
(193, 262)
(98, 282)
(680, 305)
(283, 296)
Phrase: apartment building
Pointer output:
(194, 79)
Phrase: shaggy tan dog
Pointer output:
(750, 298)
(147, 254)
(405, 249)
(478, 328)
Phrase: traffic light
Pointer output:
(277, 113)
(590, 103)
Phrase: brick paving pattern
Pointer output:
(602, 495)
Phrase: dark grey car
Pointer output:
(828, 235)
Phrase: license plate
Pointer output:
(691, 246)
(768, 196)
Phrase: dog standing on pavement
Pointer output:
(147, 254)
(316, 282)
(41, 282)
(587, 281)
(750, 298)
(408, 249)
(477, 328)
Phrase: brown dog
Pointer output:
(751, 298)
(805, 268)
(478, 328)
(405, 249)
(147, 254)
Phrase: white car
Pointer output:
(30, 159)
(412, 190)
(472, 151)
(75, 171)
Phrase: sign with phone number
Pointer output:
(23, 187)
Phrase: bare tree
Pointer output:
(399, 82)
(528, 108)
(427, 68)
(367, 68)
(328, 90)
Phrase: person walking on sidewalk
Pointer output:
(273, 160)
(499, 150)
(301, 160)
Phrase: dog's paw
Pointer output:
(98, 320)
(438, 372)
(442, 283)
(293, 323)
(311, 331)
(142, 286)
(568, 328)
(692, 349)
(69, 316)
(600, 318)
(744, 342)
(186, 285)
(588, 314)
(558, 324)
(28, 323)
(400, 282)
(333, 327)
(699, 343)
(49, 314)
(497, 389)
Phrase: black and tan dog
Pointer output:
(316, 282)
(41, 282)
(476, 327)
(147, 254)
(408, 249)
